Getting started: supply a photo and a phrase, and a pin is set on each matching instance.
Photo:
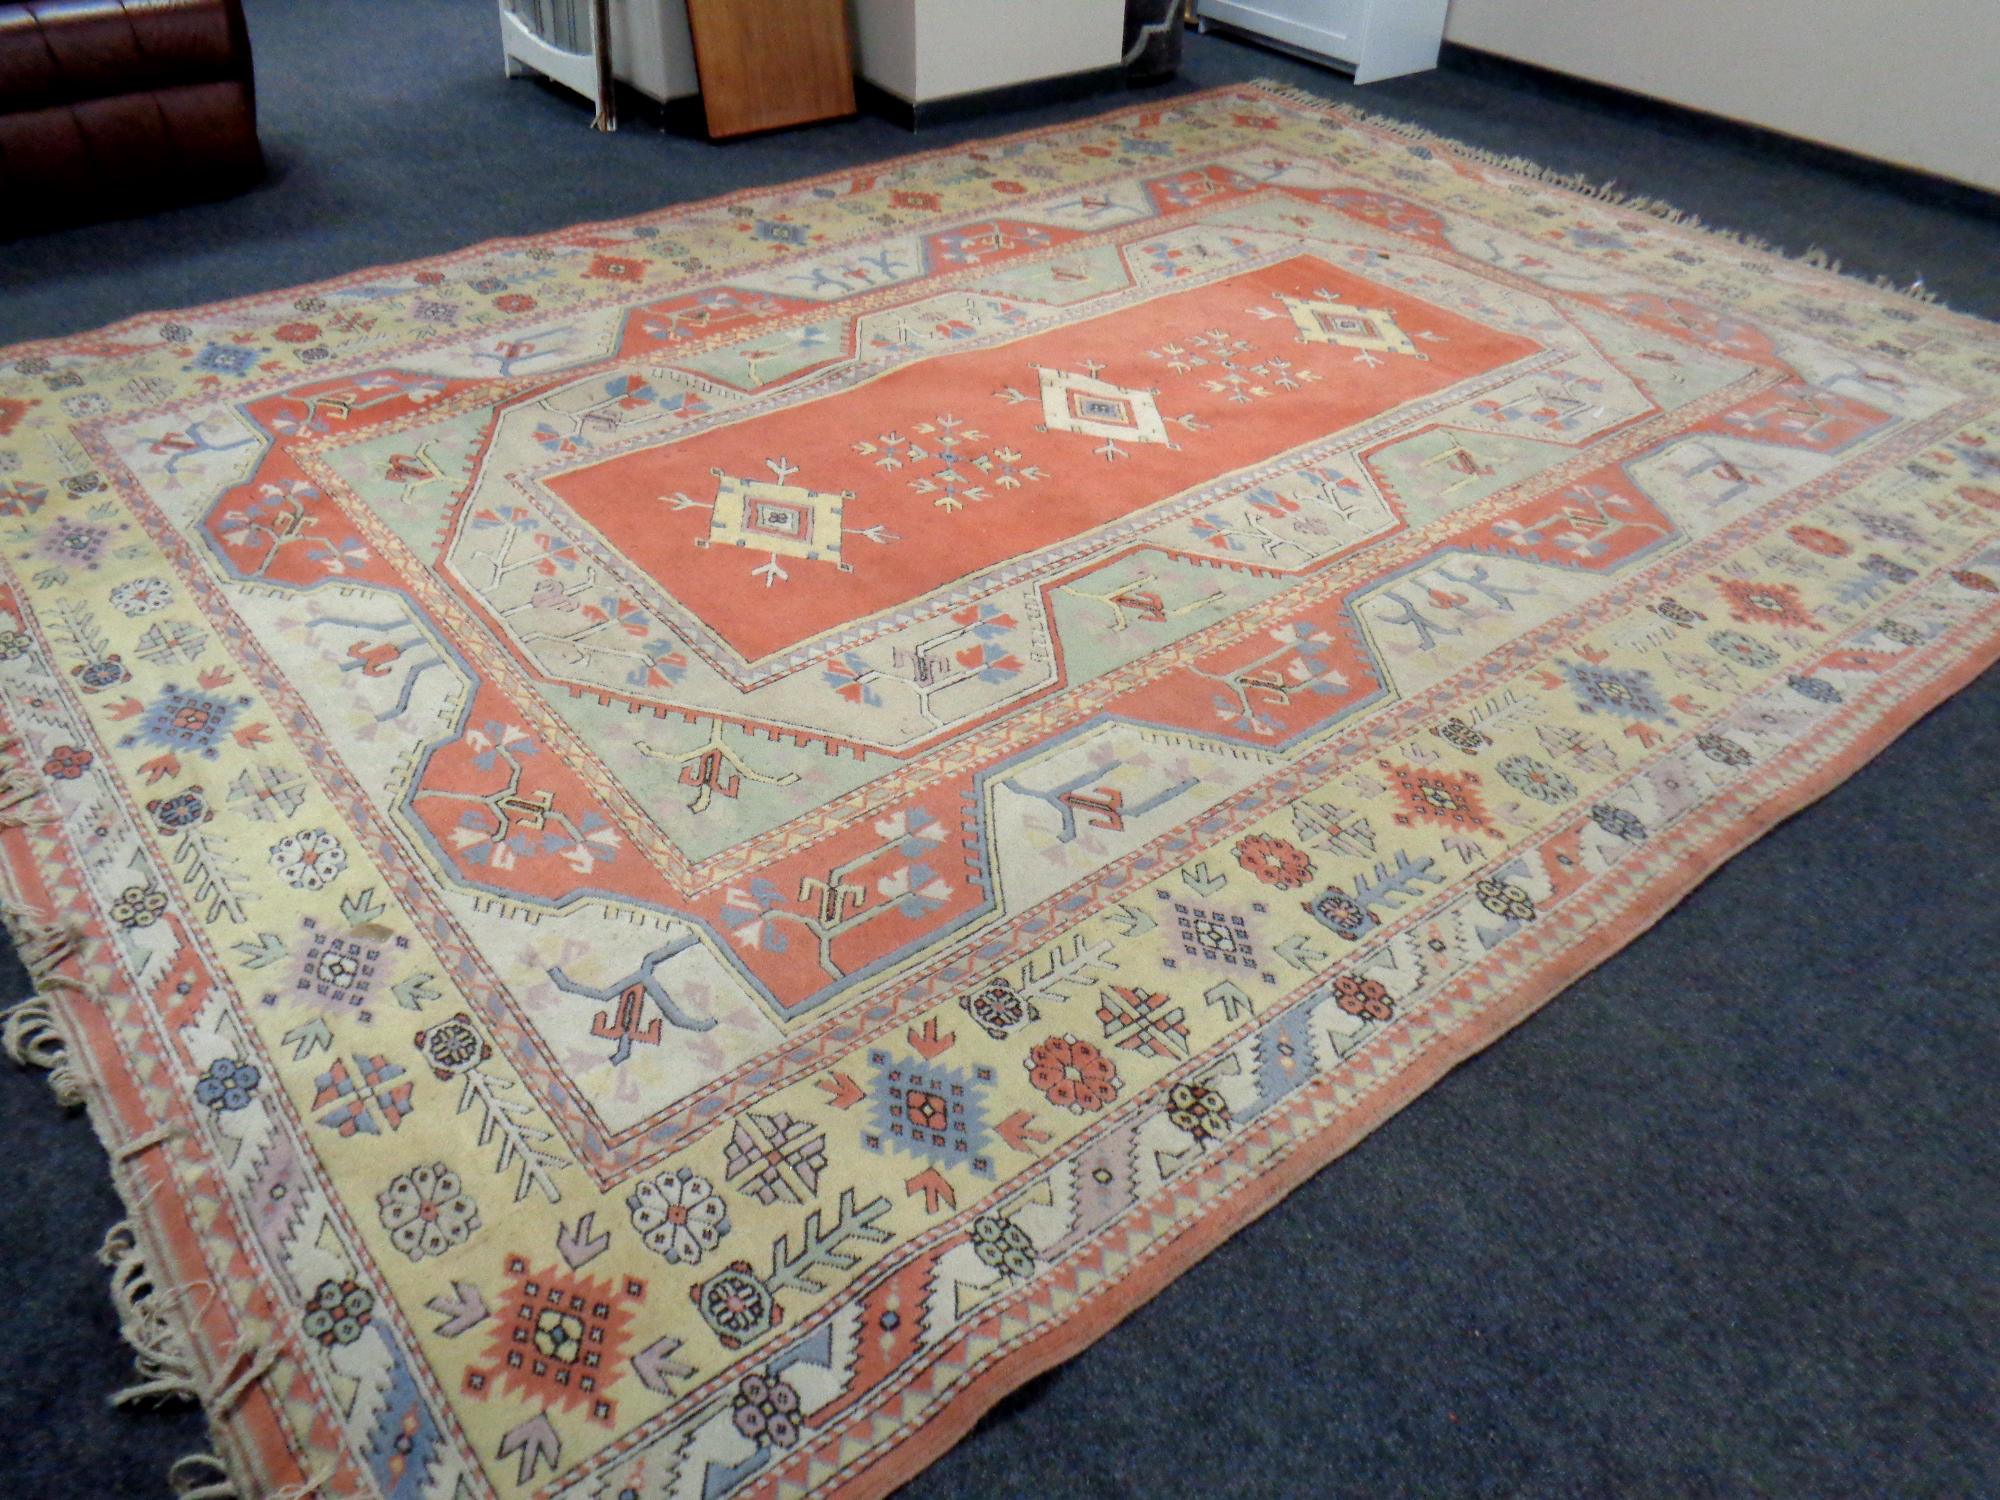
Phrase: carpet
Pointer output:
(671, 855)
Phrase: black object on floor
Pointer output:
(1723, 1220)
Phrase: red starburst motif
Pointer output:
(559, 1338)
(1765, 604)
(617, 268)
(1825, 543)
(1438, 797)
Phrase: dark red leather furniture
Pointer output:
(111, 107)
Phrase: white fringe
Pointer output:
(203, 1476)
(1577, 182)
(166, 1368)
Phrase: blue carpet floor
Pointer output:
(1724, 1220)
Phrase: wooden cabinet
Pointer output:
(769, 63)
(1375, 38)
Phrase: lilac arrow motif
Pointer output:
(462, 1308)
(536, 1441)
(576, 1245)
(657, 1368)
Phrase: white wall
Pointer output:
(1915, 82)
(921, 50)
(885, 44)
(651, 48)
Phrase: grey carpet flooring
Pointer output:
(1724, 1220)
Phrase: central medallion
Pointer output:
(913, 483)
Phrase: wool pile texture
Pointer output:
(668, 856)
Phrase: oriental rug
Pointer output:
(670, 855)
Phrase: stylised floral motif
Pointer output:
(1537, 779)
(1274, 861)
(1679, 613)
(1505, 900)
(96, 676)
(1341, 912)
(141, 596)
(1366, 998)
(338, 1312)
(427, 1211)
(678, 1215)
(1979, 583)
(139, 906)
(1738, 647)
(1816, 688)
(1004, 1245)
(1722, 749)
(766, 1410)
(1461, 735)
(1889, 528)
(308, 861)
(1883, 567)
(227, 1084)
(998, 1009)
(736, 1304)
(1900, 633)
(1199, 1110)
(184, 809)
(452, 1047)
(1072, 1074)
(66, 763)
(1619, 823)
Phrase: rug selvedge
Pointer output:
(610, 963)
